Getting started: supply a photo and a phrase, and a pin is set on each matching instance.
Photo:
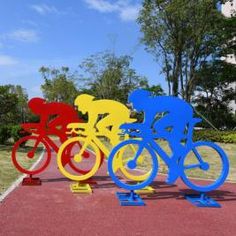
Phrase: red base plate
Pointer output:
(28, 181)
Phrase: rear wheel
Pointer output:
(85, 158)
(27, 151)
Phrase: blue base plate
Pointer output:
(202, 200)
(130, 199)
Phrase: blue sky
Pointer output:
(59, 32)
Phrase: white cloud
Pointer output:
(102, 5)
(7, 60)
(44, 9)
(24, 35)
(124, 8)
(130, 13)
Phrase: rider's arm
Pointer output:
(92, 119)
(131, 126)
(43, 121)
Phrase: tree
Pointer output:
(155, 89)
(13, 104)
(184, 34)
(22, 99)
(8, 105)
(214, 93)
(110, 77)
(59, 84)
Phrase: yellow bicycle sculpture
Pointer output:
(104, 120)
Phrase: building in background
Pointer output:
(229, 10)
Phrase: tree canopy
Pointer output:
(59, 84)
(214, 93)
(183, 35)
(108, 76)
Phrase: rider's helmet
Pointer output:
(36, 105)
(83, 101)
(138, 98)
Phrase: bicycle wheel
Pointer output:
(205, 160)
(78, 148)
(25, 153)
(125, 171)
(117, 163)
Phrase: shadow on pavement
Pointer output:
(218, 195)
(55, 180)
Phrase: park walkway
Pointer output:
(51, 209)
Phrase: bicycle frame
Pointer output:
(93, 138)
(148, 139)
(48, 141)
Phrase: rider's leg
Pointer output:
(115, 137)
(60, 133)
(173, 136)
(103, 125)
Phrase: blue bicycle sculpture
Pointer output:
(154, 149)
(178, 162)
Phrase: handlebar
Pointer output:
(139, 130)
(31, 127)
(74, 130)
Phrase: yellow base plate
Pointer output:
(146, 190)
(80, 188)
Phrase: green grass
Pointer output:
(209, 155)
(8, 172)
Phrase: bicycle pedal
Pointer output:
(80, 188)
(146, 190)
(28, 181)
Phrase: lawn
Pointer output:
(208, 154)
(8, 172)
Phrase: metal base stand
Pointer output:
(130, 199)
(80, 188)
(30, 181)
(202, 200)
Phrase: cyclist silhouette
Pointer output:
(54, 117)
(171, 127)
(104, 115)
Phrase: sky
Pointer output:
(63, 33)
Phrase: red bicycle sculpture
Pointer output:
(54, 118)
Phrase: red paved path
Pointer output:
(52, 209)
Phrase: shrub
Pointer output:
(17, 132)
(215, 136)
(11, 131)
(5, 133)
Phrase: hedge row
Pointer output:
(10, 131)
(14, 132)
(215, 136)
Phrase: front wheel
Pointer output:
(123, 158)
(206, 161)
(27, 151)
(84, 155)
